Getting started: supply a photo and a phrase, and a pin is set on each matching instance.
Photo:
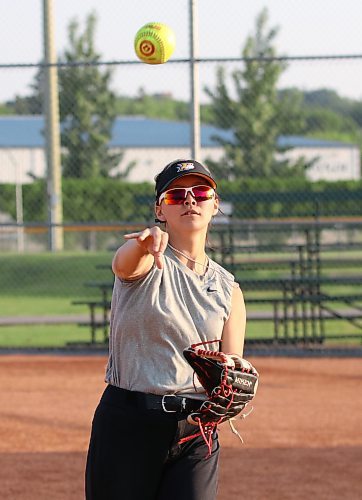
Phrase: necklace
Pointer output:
(205, 264)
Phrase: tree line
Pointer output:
(103, 200)
(246, 101)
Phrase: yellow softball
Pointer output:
(154, 43)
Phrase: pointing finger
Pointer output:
(129, 236)
(164, 242)
(159, 260)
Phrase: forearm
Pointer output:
(131, 261)
(234, 330)
(233, 344)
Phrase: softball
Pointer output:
(154, 43)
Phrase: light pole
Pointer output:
(19, 209)
(194, 78)
(52, 131)
(18, 203)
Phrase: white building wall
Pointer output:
(332, 163)
(150, 161)
(17, 163)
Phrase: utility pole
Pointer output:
(18, 202)
(52, 132)
(194, 78)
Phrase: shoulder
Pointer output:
(222, 272)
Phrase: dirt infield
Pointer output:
(303, 439)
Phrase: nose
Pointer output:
(189, 200)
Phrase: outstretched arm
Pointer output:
(135, 258)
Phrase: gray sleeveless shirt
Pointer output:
(155, 317)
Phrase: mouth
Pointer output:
(190, 212)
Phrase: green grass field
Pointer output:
(42, 335)
(51, 275)
(46, 284)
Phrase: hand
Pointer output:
(241, 364)
(153, 241)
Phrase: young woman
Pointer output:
(167, 295)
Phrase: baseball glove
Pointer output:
(230, 383)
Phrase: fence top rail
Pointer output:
(287, 223)
(219, 227)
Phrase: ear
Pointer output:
(159, 214)
(216, 206)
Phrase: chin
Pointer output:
(193, 222)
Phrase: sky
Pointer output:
(310, 27)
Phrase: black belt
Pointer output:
(169, 403)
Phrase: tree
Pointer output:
(255, 116)
(87, 106)
(159, 106)
(33, 103)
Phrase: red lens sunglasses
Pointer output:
(177, 196)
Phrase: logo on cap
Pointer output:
(182, 167)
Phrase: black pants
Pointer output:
(134, 455)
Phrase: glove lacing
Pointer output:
(206, 429)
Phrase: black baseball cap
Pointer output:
(180, 168)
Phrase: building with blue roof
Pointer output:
(152, 143)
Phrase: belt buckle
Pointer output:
(163, 402)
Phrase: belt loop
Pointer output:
(183, 404)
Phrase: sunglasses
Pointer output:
(177, 196)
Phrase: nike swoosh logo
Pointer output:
(210, 289)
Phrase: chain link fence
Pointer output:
(286, 152)
(109, 163)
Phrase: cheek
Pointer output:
(167, 211)
(209, 211)
(214, 207)
(159, 213)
